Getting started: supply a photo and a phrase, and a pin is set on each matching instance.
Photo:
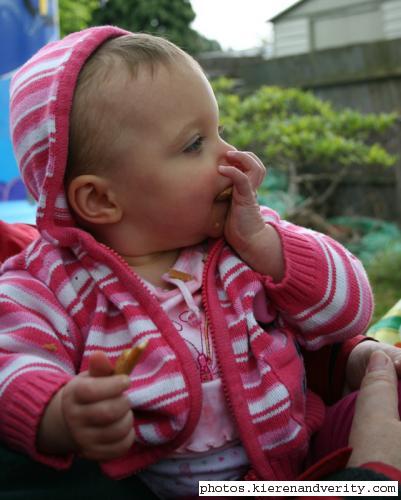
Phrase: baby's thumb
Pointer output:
(100, 365)
(379, 389)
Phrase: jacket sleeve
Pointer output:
(38, 345)
(326, 368)
(325, 294)
(14, 238)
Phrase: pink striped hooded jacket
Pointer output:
(67, 296)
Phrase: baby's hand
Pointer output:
(359, 358)
(90, 415)
(258, 244)
(96, 412)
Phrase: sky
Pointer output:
(236, 24)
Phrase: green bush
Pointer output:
(302, 136)
(293, 127)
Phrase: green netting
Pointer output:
(369, 236)
(275, 181)
(277, 200)
(366, 237)
(273, 193)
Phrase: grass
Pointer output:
(384, 272)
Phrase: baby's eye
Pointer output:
(195, 146)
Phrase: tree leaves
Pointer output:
(168, 18)
(75, 15)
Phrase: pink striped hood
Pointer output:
(41, 99)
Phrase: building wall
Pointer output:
(292, 37)
(392, 19)
(335, 31)
(311, 7)
(322, 24)
(364, 76)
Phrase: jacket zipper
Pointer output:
(205, 303)
(251, 474)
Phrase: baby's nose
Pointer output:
(227, 147)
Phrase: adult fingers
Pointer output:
(394, 353)
(378, 395)
(376, 426)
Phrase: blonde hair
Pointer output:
(91, 133)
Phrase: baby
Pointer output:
(117, 137)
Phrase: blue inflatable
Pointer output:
(25, 26)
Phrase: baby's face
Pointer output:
(169, 151)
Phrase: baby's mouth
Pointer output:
(225, 195)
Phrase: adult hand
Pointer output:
(376, 428)
(359, 358)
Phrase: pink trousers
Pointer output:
(337, 426)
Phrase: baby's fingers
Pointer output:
(101, 431)
(243, 188)
(261, 167)
(249, 163)
(114, 432)
(85, 390)
(104, 413)
(100, 365)
(104, 451)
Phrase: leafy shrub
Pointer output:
(304, 137)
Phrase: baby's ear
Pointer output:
(93, 200)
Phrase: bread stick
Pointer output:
(128, 359)
(225, 195)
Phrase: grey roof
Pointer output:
(284, 12)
